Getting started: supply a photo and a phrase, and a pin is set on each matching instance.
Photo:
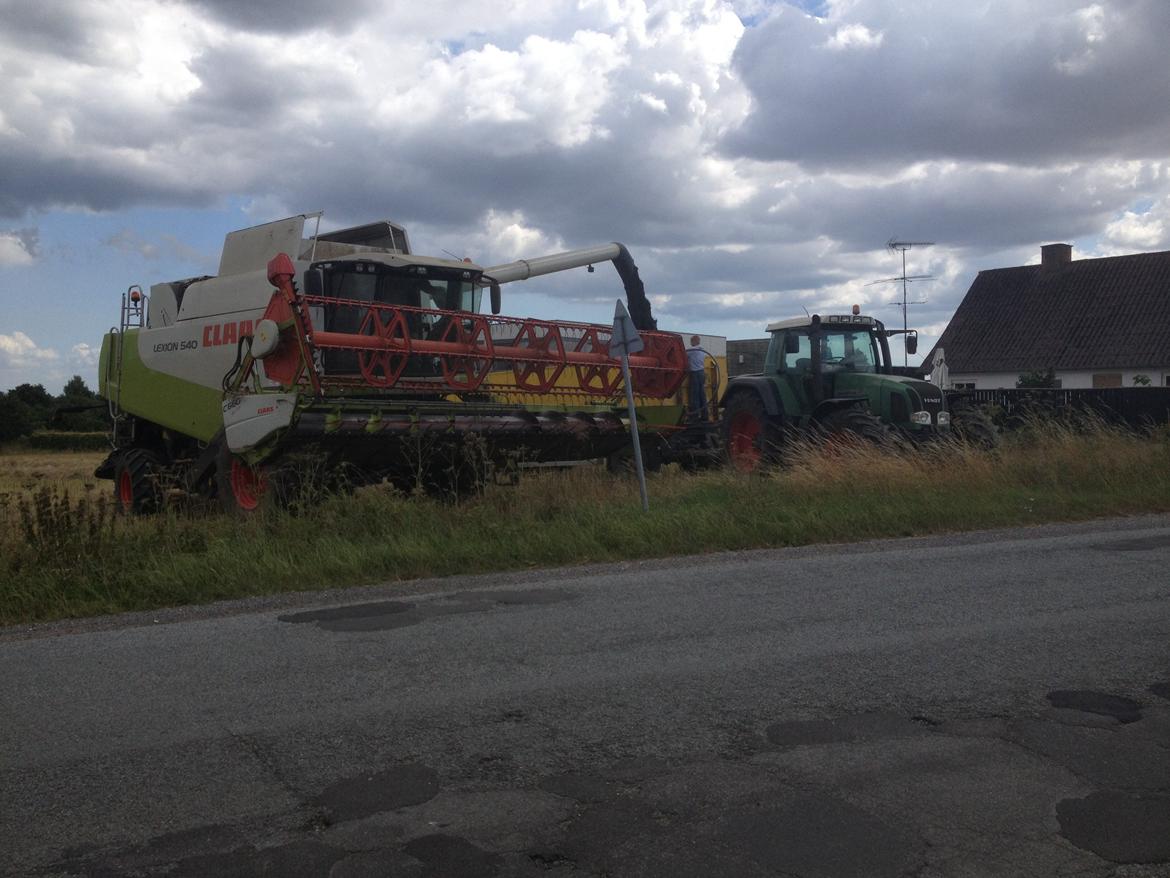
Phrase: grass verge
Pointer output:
(65, 554)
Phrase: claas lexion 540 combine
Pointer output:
(344, 352)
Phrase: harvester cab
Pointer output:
(828, 375)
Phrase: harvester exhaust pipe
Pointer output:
(522, 269)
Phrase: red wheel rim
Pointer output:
(745, 447)
(126, 490)
(248, 485)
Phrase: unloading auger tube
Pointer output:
(467, 346)
(638, 304)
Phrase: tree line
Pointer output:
(29, 407)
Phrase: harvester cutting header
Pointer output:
(334, 350)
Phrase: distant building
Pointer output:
(1095, 322)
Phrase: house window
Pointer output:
(1166, 379)
(1107, 379)
(970, 385)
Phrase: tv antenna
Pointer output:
(896, 246)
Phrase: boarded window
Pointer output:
(1107, 379)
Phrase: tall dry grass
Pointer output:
(71, 558)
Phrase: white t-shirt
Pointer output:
(696, 358)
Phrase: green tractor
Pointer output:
(826, 376)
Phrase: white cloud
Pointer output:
(1137, 230)
(854, 36)
(163, 246)
(14, 250)
(18, 351)
(83, 357)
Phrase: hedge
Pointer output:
(59, 440)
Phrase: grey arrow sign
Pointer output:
(625, 339)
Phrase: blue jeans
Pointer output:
(698, 388)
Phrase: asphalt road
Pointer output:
(987, 704)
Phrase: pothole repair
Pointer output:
(1124, 710)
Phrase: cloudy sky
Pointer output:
(754, 155)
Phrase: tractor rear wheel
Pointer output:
(856, 424)
(136, 482)
(751, 438)
(974, 426)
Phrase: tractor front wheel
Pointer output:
(855, 424)
(242, 489)
(750, 438)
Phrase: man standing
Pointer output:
(697, 372)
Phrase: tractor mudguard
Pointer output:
(762, 387)
(107, 467)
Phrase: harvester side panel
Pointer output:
(184, 406)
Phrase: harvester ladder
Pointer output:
(132, 316)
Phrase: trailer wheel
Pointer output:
(136, 482)
(242, 489)
(750, 438)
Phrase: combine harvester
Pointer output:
(344, 358)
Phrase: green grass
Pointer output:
(74, 557)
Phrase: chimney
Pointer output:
(1052, 255)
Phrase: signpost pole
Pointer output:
(634, 432)
(623, 342)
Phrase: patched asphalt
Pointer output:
(908, 708)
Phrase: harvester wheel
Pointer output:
(855, 423)
(751, 439)
(974, 426)
(242, 489)
(136, 482)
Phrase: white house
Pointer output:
(1095, 322)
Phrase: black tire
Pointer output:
(137, 487)
(751, 438)
(856, 423)
(241, 489)
(973, 425)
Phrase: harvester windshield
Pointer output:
(417, 286)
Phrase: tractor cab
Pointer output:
(822, 364)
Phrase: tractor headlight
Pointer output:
(921, 418)
(944, 419)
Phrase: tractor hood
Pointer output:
(930, 394)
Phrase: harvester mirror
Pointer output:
(495, 294)
(792, 343)
(912, 342)
(314, 282)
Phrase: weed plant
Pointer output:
(65, 554)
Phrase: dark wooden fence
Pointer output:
(1135, 406)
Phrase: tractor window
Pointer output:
(800, 361)
(850, 351)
